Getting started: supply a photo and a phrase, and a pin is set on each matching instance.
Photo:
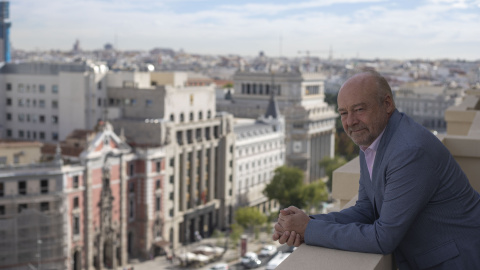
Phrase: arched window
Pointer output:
(200, 115)
(182, 118)
(172, 117)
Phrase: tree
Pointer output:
(286, 187)
(331, 164)
(248, 217)
(315, 193)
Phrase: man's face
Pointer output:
(363, 116)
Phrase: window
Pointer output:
(171, 196)
(41, 135)
(157, 184)
(9, 86)
(2, 210)
(21, 117)
(9, 102)
(209, 114)
(131, 187)
(171, 212)
(3, 161)
(75, 181)
(75, 203)
(99, 85)
(54, 136)
(41, 119)
(76, 225)
(41, 103)
(21, 88)
(131, 170)
(172, 117)
(148, 102)
(2, 189)
(157, 203)
(200, 115)
(131, 208)
(54, 104)
(22, 187)
(44, 186)
(41, 88)
(20, 102)
(182, 118)
(21, 207)
(172, 162)
(171, 179)
(9, 117)
(54, 119)
(191, 116)
(55, 89)
(158, 166)
(44, 206)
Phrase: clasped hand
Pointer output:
(291, 226)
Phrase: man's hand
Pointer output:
(291, 226)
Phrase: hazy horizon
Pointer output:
(368, 29)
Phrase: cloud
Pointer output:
(368, 28)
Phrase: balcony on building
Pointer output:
(463, 141)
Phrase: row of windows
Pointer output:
(259, 148)
(191, 116)
(259, 162)
(42, 206)
(26, 102)
(312, 90)
(27, 134)
(26, 88)
(259, 89)
(26, 117)
(199, 134)
(22, 187)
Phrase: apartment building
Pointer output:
(259, 150)
(47, 101)
(427, 103)
(309, 120)
(198, 143)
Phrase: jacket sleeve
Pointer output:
(410, 182)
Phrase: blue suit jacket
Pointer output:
(419, 205)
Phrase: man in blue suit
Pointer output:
(414, 200)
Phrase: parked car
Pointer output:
(220, 266)
(253, 263)
(275, 261)
(249, 256)
(267, 251)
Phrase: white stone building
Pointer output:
(427, 104)
(259, 150)
(309, 120)
(47, 101)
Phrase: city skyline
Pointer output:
(429, 29)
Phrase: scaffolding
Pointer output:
(34, 240)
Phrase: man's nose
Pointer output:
(351, 119)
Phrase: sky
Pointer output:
(408, 29)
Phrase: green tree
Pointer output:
(248, 217)
(228, 85)
(315, 193)
(331, 164)
(286, 187)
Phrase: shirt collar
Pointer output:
(374, 145)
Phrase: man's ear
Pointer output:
(388, 102)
